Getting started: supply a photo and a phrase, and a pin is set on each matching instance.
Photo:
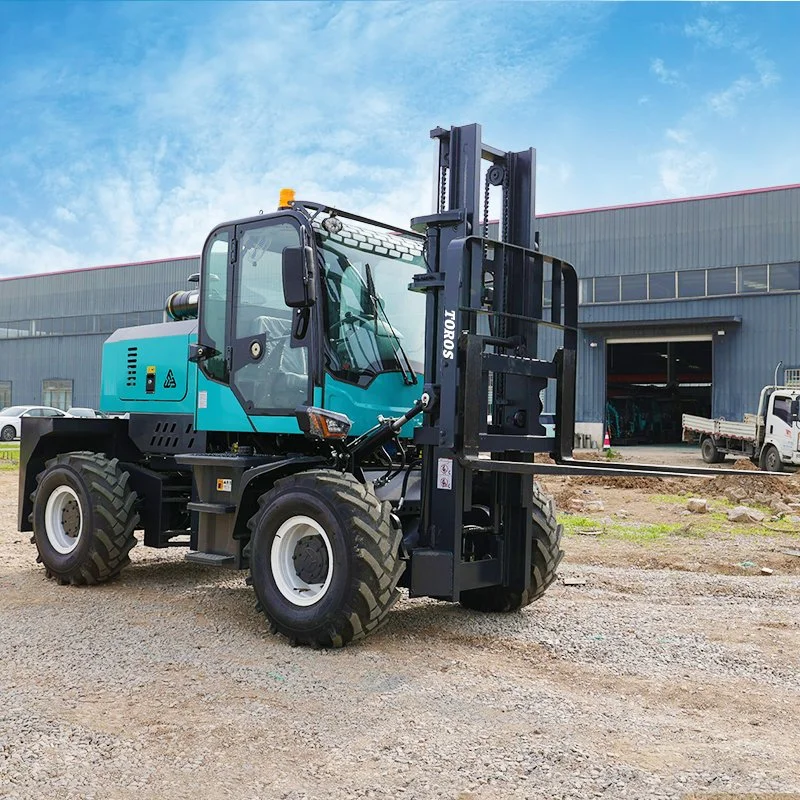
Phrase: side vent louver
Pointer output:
(133, 360)
(169, 435)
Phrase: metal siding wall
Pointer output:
(756, 228)
(27, 362)
(106, 290)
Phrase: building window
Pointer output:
(634, 287)
(662, 285)
(692, 283)
(752, 279)
(721, 281)
(5, 394)
(606, 290)
(586, 290)
(57, 393)
(784, 277)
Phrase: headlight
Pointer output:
(332, 224)
(317, 423)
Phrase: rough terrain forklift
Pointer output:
(341, 407)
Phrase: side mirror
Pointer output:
(795, 409)
(299, 277)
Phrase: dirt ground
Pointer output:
(664, 663)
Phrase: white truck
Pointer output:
(770, 438)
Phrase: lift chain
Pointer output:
(486, 186)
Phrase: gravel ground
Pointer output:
(644, 683)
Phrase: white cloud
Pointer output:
(727, 102)
(713, 33)
(686, 171)
(64, 214)
(335, 101)
(678, 136)
(725, 35)
(669, 77)
(33, 248)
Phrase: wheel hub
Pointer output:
(311, 559)
(71, 519)
(63, 519)
(301, 560)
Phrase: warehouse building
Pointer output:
(687, 306)
(52, 326)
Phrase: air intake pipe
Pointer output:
(182, 305)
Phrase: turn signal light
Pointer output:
(286, 198)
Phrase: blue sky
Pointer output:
(128, 130)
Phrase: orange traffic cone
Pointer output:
(607, 441)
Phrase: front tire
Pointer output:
(771, 460)
(83, 518)
(324, 558)
(8, 434)
(546, 554)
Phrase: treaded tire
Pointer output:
(771, 459)
(546, 554)
(709, 452)
(8, 433)
(99, 488)
(365, 567)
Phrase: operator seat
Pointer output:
(283, 369)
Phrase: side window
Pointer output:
(782, 408)
(34, 412)
(214, 304)
(260, 284)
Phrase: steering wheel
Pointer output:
(351, 318)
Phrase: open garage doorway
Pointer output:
(651, 383)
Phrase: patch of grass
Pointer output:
(572, 523)
(648, 532)
(623, 529)
(9, 456)
(674, 499)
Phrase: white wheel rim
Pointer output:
(59, 519)
(289, 583)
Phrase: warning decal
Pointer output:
(444, 477)
(169, 381)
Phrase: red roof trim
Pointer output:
(672, 200)
(103, 266)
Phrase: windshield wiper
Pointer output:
(402, 358)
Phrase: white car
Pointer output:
(86, 413)
(11, 419)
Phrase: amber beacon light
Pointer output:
(286, 198)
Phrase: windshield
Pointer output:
(373, 322)
(12, 411)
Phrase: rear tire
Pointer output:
(8, 434)
(771, 460)
(83, 518)
(324, 558)
(710, 453)
(546, 554)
